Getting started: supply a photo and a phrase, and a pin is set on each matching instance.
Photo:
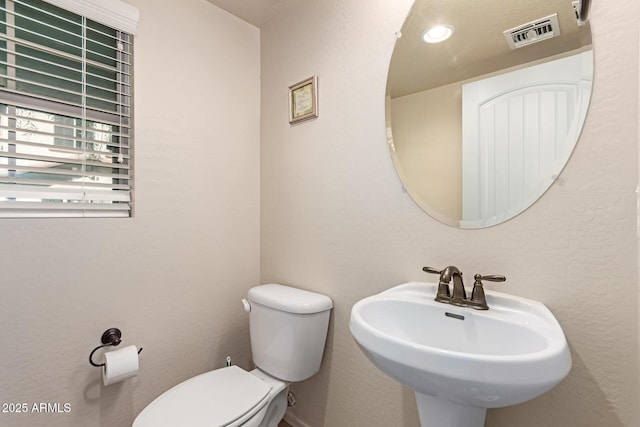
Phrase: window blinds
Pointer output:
(65, 113)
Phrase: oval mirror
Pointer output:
(482, 123)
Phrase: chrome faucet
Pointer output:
(459, 296)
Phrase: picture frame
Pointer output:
(303, 100)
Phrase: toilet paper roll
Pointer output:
(120, 364)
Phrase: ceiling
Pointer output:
(478, 45)
(256, 12)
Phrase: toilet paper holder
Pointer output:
(110, 337)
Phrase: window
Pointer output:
(65, 113)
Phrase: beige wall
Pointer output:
(335, 220)
(171, 277)
(427, 136)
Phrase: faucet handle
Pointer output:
(431, 270)
(443, 294)
(491, 278)
(478, 299)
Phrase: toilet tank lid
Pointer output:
(288, 299)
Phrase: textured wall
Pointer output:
(172, 276)
(334, 218)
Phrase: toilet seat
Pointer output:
(224, 397)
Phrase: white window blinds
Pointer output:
(65, 113)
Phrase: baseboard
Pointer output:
(294, 421)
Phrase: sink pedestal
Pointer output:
(438, 412)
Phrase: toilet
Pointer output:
(288, 329)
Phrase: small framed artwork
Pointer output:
(303, 100)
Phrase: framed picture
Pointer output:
(303, 100)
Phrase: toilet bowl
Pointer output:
(288, 329)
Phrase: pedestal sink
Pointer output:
(461, 361)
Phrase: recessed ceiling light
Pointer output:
(437, 34)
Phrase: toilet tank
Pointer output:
(288, 328)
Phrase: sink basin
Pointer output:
(461, 361)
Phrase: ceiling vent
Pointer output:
(533, 32)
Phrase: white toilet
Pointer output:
(288, 328)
